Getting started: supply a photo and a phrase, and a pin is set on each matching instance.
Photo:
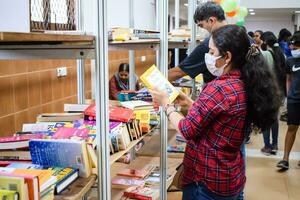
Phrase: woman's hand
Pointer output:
(160, 97)
(183, 100)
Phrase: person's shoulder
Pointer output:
(203, 46)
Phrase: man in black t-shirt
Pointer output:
(209, 16)
(293, 99)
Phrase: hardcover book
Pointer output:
(64, 177)
(61, 153)
(16, 184)
(142, 193)
(17, 142)
(153, 78)
(115, 113)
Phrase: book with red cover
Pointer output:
(5, 163)
(115, 113)
(18, 142)
(69, 132)
(142, 193)
(134, 173)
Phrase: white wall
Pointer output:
(271, 3)
(14, 16)
(118, 14)
(144, 14)
(274, 24)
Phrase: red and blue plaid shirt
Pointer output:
(214, 128)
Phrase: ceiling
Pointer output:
(259, 13)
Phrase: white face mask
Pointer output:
(296, 53)
(210, 61)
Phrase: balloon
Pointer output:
(242, 12)
(229, 5)
(241, 22)
(219, 1)
(231, 14)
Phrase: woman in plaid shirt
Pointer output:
(243, 94)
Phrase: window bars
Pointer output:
(52, 15)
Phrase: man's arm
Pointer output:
(175, 73)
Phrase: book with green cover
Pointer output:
(15, 184)
(153, 78)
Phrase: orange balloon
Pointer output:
(231, 14)
(219, 1)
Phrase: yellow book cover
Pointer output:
(9, 195)
(153, 78)
(16, 184)
(142, 115)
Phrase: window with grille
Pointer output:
(52, 15)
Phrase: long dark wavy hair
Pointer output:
(263, 99)
(279, 60)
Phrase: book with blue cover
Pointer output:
(61, 153)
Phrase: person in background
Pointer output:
(257, 35)
(251, 34)
(283, 38)
(120, 81)
(209, 16)
(276, 62)
(221, 117)
(293, 99)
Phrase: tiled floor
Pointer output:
(264, 181)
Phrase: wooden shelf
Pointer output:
(152, 44)
(139, 163)
(114, 157)
(22, 46)
(78, 189)
(12, 37)
(153, 146)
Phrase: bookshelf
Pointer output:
(14, 46)
(139, 163)
(143, 44)
(78, 189)
(114, 157)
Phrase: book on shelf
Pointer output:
(19, 165)
(153, 78)
(137, 105)
(137, 173)
(44, 175)
(32, 182)
(37, 127)
(92, 156)
(18, 141)
(121, 183)
(70, 133)
(154, 177)
(15, 155)
(64, 177)
(75, 107)
(61, 153)
(142, 193)
(59, 117)
(115, 113)
(176, 148)
(9, 195)
(5, 163)
(17, 184)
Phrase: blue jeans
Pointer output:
(266, 135)
(243, 151)
(200, 192)
(197, 191)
